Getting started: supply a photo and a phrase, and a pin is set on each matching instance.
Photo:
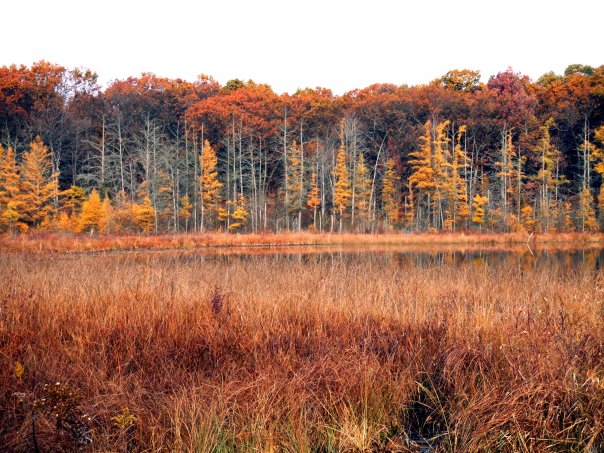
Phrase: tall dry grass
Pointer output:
(301, 353)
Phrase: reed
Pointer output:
(54, 242)
(191, 352)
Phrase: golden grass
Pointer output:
(45, 242)
(317, 352)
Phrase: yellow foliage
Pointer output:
(92, 217)
(548, 175)
(19, 370)
(185, 207)
(598, 153)
(362, 188)
(121, 217)
(39, 185)
(601, 204)
(72, 199)
(67, 223)
(462, 208)
(568, 220)
(144, 215)
(124, 420)
(223, 214)
(409, 207)
(586, 211)
(314, 195)
(165, 196)
(9, 189)
(479, 211)
(527, 218)
(313, 199)
(240, 214)
(106, 215)
(342, 193)
(210, 185)
(423, 172)
(294, 179)
(11, 216)
(390, 193)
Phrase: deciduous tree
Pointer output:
(185, 210)
(342, 192)
(92, 219)
(144, 215)
(239, 215)
(421, 180)
(313, 200)
(9, 189)
(210, 185)
(586, 211)
(39, 185)
(479, 211)
(362, 192)
(295, 183)
(390, 193)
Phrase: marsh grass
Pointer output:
(53, 242)
(313, 353)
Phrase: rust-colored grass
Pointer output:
(303, 353)
(53, 242)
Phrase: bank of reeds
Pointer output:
(53, 242)
(316, 353)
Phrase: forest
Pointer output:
(196, 267)
(157, 155)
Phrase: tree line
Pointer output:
(152, 154)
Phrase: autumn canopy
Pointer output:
(152, 154)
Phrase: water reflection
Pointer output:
(564, 257)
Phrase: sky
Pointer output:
(291, 44)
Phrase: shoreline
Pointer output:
(62, 243)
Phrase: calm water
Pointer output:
(563, 257)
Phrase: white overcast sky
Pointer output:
(292, 44)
